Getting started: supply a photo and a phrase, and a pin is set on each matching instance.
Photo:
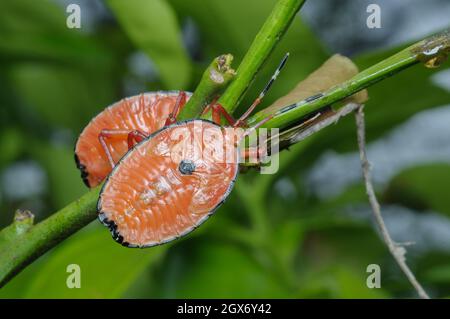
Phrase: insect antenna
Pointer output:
(264, 91)
(257, 125)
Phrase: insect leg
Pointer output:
(208, 107)
(218, 111)
(257, 125)
(253, 152)
(258, 100)
(135, 137)
(106, 135)
(181, 101)
(255, 156)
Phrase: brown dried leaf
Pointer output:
(334, 71)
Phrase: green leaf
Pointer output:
(107, 269)
(60, 74)
(36, 30)
(213, 269)
(61, 96)
(152, 26)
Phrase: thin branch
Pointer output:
(215, 79)
(431, 51)
(265, 41)
(397, 251)
(19, 248)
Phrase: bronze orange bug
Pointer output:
(159, 190)
(110, 134)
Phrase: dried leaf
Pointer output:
(334, 71)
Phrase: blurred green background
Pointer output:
(302, 233)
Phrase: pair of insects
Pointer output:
(157, 188)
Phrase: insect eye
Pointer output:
(186, 167)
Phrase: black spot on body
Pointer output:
(186, 167)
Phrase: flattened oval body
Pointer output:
(169, 184)
(146, 113)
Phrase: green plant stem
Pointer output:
(21, 248)
(265, 41)
(431, 51)
(215, 79)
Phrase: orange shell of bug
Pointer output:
(146, 113)
(148, 199)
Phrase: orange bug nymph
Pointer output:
(110, 134)
(172, 180)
